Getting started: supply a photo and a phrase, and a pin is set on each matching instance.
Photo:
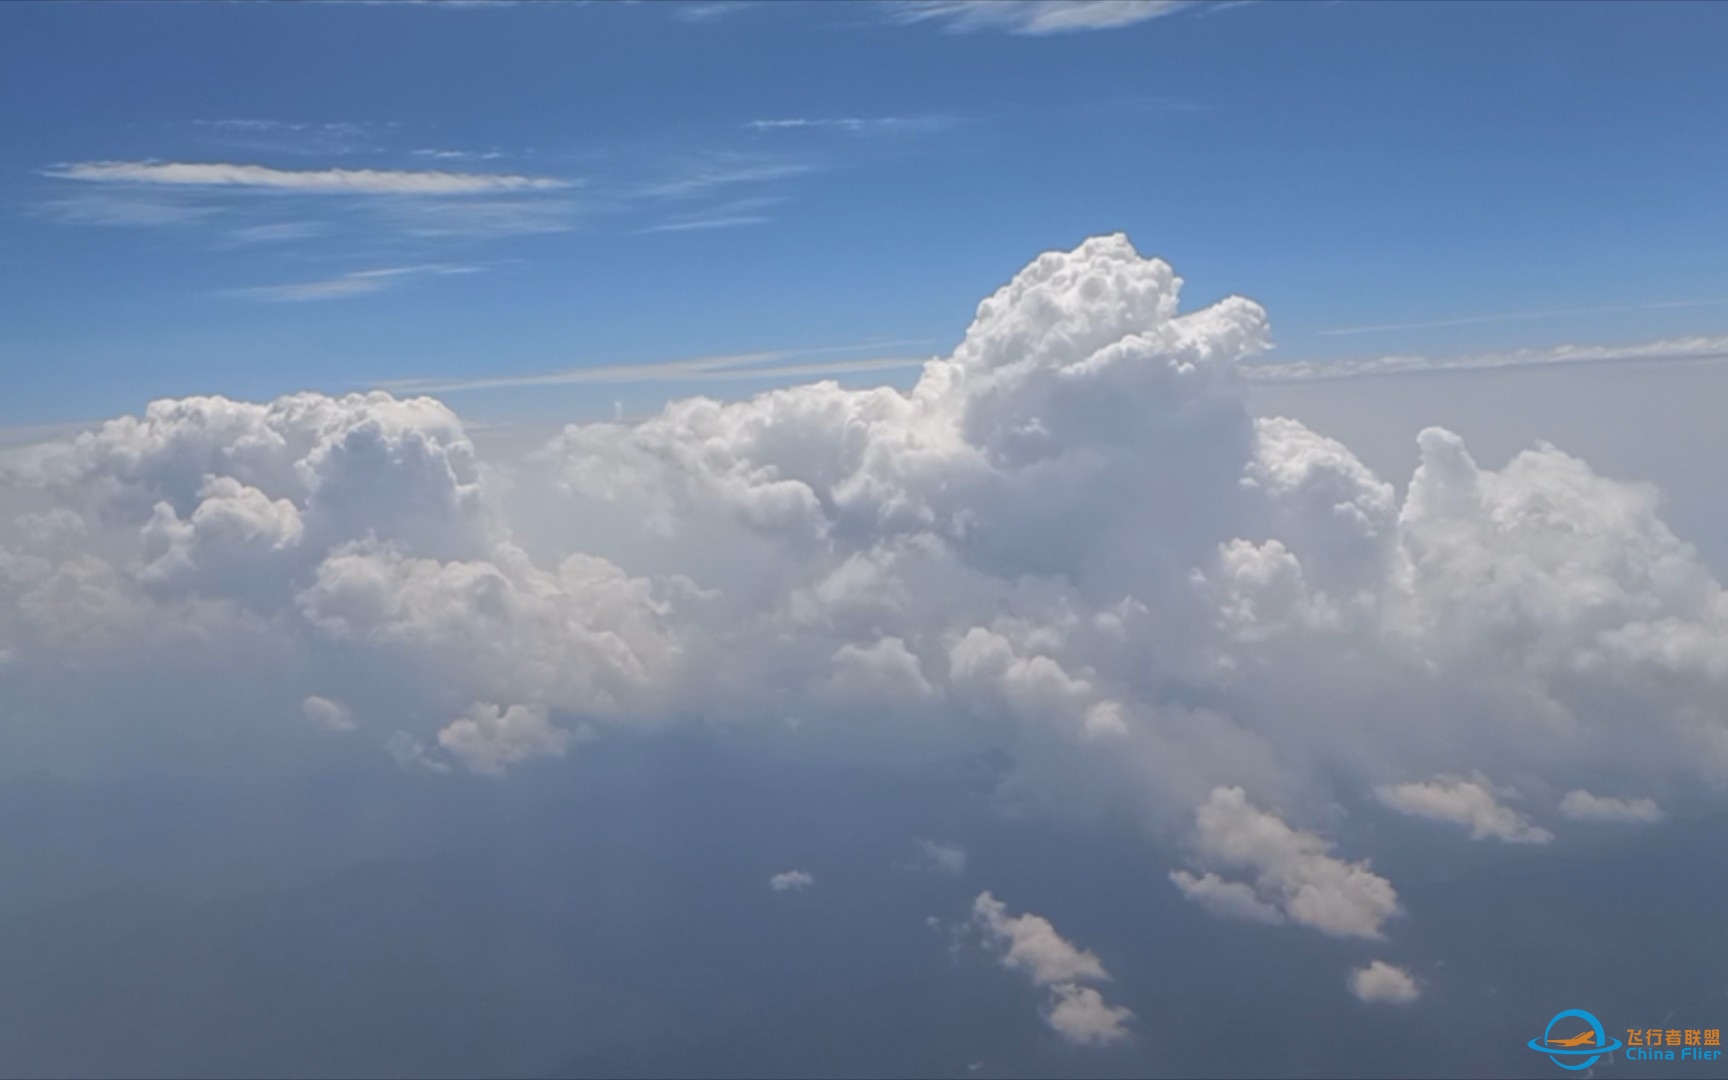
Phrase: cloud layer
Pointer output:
(1070, 538)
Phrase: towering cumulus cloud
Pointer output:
(1070, 537)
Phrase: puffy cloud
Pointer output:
(489, 739)
(327, 714)
(1030, 944)
(1463, 802)
(1226, 899)
(583, 637)
(1295, 874)
(1381, 982)
(1080, 1014)
(1070, 538)
(1580, 805)
(364, 464)
(791, 881)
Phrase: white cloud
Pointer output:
(1295, 872)
(1030, 944)
(353, 283)
(949, 858)
(1069, 538)
(791, 881)
(489, 739)
(718, 171)
(327, 714)
(1463, 802)
(710, 11)
(1518, 316)
(857, 125)
(767, 364)
(1226, 899)
(1037, 17)
(1580, 805)
(338, 181)
(1652, 352)
(1381, 982)
(1080, 1014)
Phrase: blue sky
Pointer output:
(642, 183)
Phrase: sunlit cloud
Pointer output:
(1036, 17)
(341, 181)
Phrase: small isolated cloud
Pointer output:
(327, 714)
(1381, 982)
(330, 181)
(791, 881)
(1463, 802)
(1580, 805)
(1030, 944)
(489, 739)
(1036, 17)
(949, 858)
(344, 286)
(1080, 1014)
(1297, 877)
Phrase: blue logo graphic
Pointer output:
(1589, 1044)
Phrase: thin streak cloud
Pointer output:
(1036, 17)
(730, 366)
(339, 181)
(1668, 350)
(1518, 316)
(357, 283)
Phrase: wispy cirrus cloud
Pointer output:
(764, 364)
(277, 232)
(124, 209)
(705, 175)
(1035, 17)
(1518, 316)
(857, 125)
(337, 181)
(458, 155)
(730, 215)
(1666, 350)
(711, 11)
(354, 283)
